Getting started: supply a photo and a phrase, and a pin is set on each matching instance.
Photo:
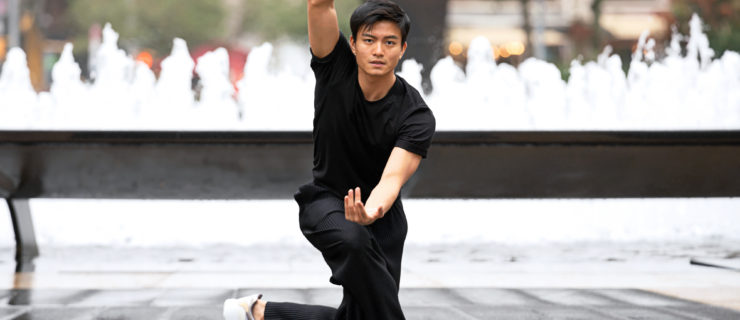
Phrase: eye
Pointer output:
(390, 43)
(368, 40)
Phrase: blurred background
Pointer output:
(554, 30)
(618, 81)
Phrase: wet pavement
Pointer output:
(465, 281)
(419, 303)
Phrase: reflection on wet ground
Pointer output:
(464, 281)
(419, 303)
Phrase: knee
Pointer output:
(354, 240)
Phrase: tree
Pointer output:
(270, 20)
(426, 38)
(526, 25)
(151, 24)
(722, 18)
(596, 35)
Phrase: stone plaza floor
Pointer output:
(418, 303)
(465, 281)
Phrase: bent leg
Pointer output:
(359, 265)
(294, 311)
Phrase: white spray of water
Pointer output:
(274, 100)
(216, 103)
(142, 88)
(546, 94)
(411, 72)
(19, 101)
(176, 78)
(691, 92)
(66, 76)
(67, 89)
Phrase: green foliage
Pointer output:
(564, 69)
(151, 24)
(721, 19)
(274, 19)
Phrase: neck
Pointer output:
(375, 88)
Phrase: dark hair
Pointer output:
(372, 11)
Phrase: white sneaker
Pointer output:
(234, 308)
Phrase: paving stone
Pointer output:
(418, 303)
(502, 313)
(11, 312)
(710, 312)
(571, 313)
(571, 297)
(435, 313)
(131, 313)
(47, 297)
(491, 297)
(192, 297)
(532, 300)
(201, 313)
(325, 297)
(58, 313)
(643, 313)
(425, 297)
(535, 312)
(639, 297)
(142, 297)
(5, 296)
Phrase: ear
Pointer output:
(403, 49)
(353, 45)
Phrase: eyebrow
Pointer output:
(374, 37)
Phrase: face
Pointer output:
(378, 49)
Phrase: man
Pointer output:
(371, 130)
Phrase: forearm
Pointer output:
(399, 168)
(320, 2)
(323, 30)
(385, 193)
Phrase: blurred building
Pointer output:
(559, 30)
(563, 28)
(42, 28)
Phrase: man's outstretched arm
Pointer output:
(400, 167)
(323, 28)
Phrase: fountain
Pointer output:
(696, 91)
(692, 92)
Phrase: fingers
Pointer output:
(360, 210)
(347, 207)
(354, 210)
(353, 206)
(350, 206)
(361, 215)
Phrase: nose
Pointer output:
(378, 49)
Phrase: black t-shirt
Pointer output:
(353, 137)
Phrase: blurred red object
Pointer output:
(237, 59)
(146, 58)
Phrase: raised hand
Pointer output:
(356, 212)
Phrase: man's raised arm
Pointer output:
(323, 28)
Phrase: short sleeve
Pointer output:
(416, 131)
(338, 62)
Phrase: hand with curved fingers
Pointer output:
(356, 212)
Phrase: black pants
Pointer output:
(364, 260)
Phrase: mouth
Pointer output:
(377, 63)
